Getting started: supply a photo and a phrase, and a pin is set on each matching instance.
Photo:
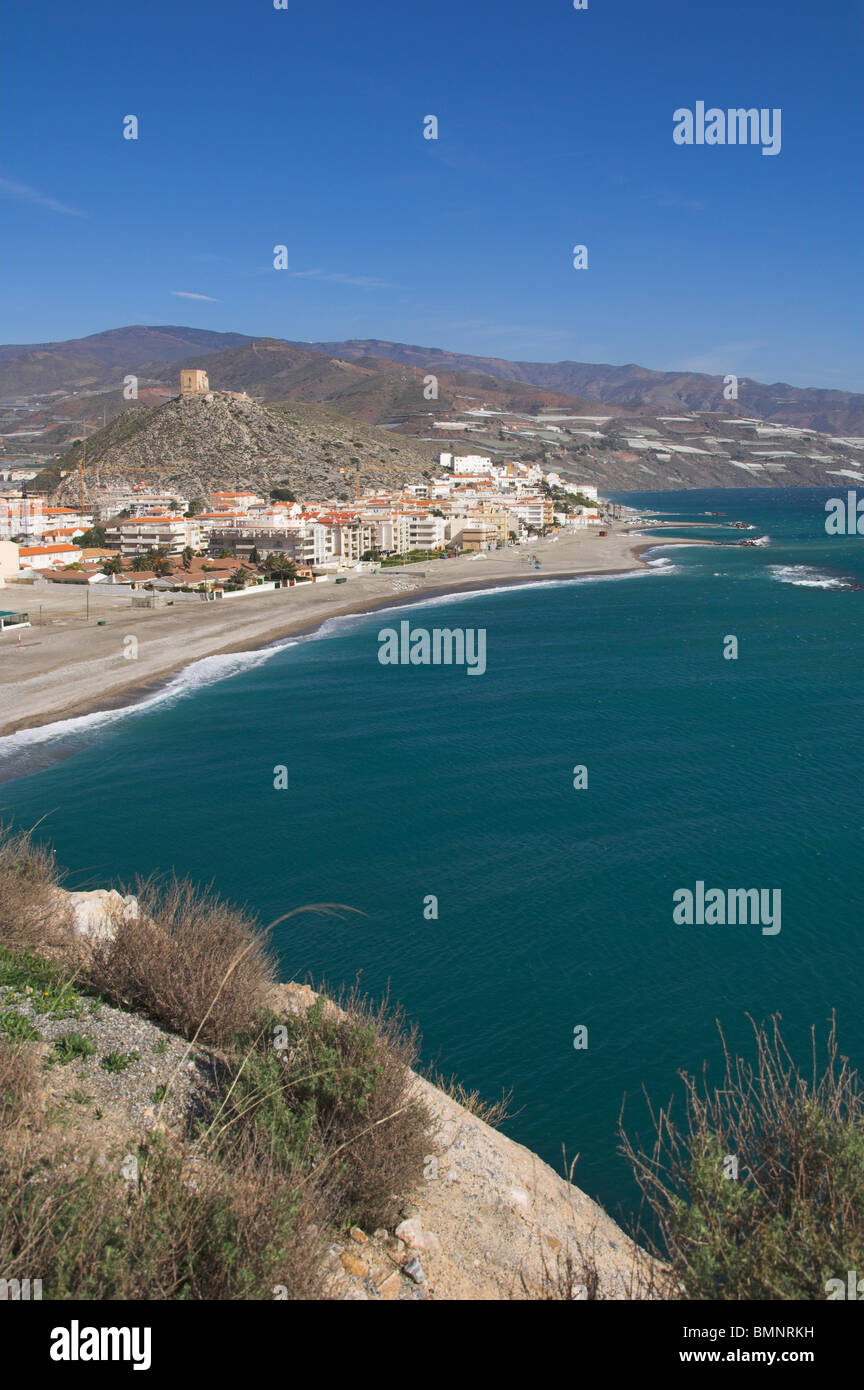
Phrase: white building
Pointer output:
(472, 465)
(533, 511)
(139, 503)
(419, 531)
(49, 556)
(170, 533)
(22, 516)
(9, 562)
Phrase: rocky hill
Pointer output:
(73, 388)
(196, 445)
(199, 444)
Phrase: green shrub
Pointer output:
(793, 1217)
(336, 1096)
(17, 1028)
(182, 1231)
(71, 1045)
(44, 984)
(118, 1061)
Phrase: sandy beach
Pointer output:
(67, 664)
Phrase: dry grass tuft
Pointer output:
(491, 1112)
(576, 1275)
(32, 916)
(190, 960)
(327, 1129)
(19, 1073)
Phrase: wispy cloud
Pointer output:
(668, 200)
(718, 361)
(364, 281)
(190, 294)
(23, 193)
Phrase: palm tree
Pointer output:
(112, 566)
(279, 567)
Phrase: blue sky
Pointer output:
(304, 127)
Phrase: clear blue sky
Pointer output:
(304, 127)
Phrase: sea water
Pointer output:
(409, 791)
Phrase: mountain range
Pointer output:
(369, 378)
(633, 387)
(304, 416)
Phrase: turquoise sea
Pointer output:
(554, 904)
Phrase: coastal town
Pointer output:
(112, 586)
(134, 538)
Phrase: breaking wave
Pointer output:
(28, 749)
(808, 577)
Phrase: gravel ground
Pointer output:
(125, 1102)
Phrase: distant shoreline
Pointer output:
(62, 678)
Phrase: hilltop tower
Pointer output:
(193, 382)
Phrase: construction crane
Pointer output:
(379, 468)
(84, 473)
(81, 490)
(25, 512)
(82, 486)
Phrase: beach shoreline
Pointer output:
(68, 667)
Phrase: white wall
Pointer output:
(9, 564)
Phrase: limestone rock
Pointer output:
(411, 1231)
(97, 914)
(414, 1270)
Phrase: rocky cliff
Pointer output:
(488, 1221)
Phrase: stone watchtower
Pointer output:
(193, 382)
